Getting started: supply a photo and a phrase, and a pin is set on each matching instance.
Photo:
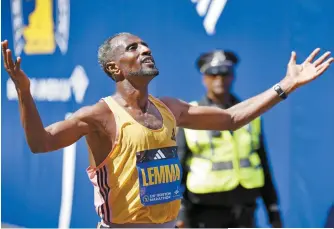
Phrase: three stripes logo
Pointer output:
(211, 11)
(159, 155)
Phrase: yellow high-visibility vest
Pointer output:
(219, 164)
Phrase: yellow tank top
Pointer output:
(139, 180)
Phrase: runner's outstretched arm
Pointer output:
(210, 118)
(55, 136)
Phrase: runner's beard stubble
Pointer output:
(145, 72)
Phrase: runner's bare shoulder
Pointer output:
(98, 116)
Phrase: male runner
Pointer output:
(130, 135)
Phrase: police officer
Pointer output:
(225, 171)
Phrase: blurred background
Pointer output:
(58, 42)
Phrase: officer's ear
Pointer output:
(206, 81)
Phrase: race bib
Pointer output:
(160, 174)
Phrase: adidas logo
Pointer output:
(211, 9)
(159, 155)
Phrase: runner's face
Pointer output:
(134, 58)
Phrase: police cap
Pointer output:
(218, 62)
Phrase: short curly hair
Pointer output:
(105, 52)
